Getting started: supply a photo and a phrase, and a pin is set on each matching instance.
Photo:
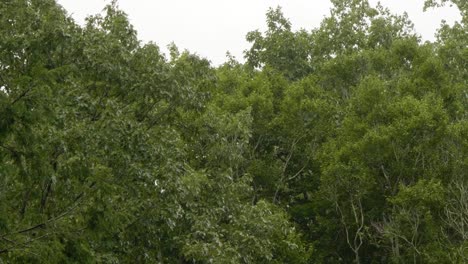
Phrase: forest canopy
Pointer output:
(346, 143)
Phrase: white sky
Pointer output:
(210, 28)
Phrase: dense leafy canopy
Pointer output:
(344, 144)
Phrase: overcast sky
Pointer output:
(212, 27)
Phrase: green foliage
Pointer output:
(344, 144)
(280, 49)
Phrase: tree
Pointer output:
(344, 144)
(280, 49)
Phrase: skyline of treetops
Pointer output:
(345, 143)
